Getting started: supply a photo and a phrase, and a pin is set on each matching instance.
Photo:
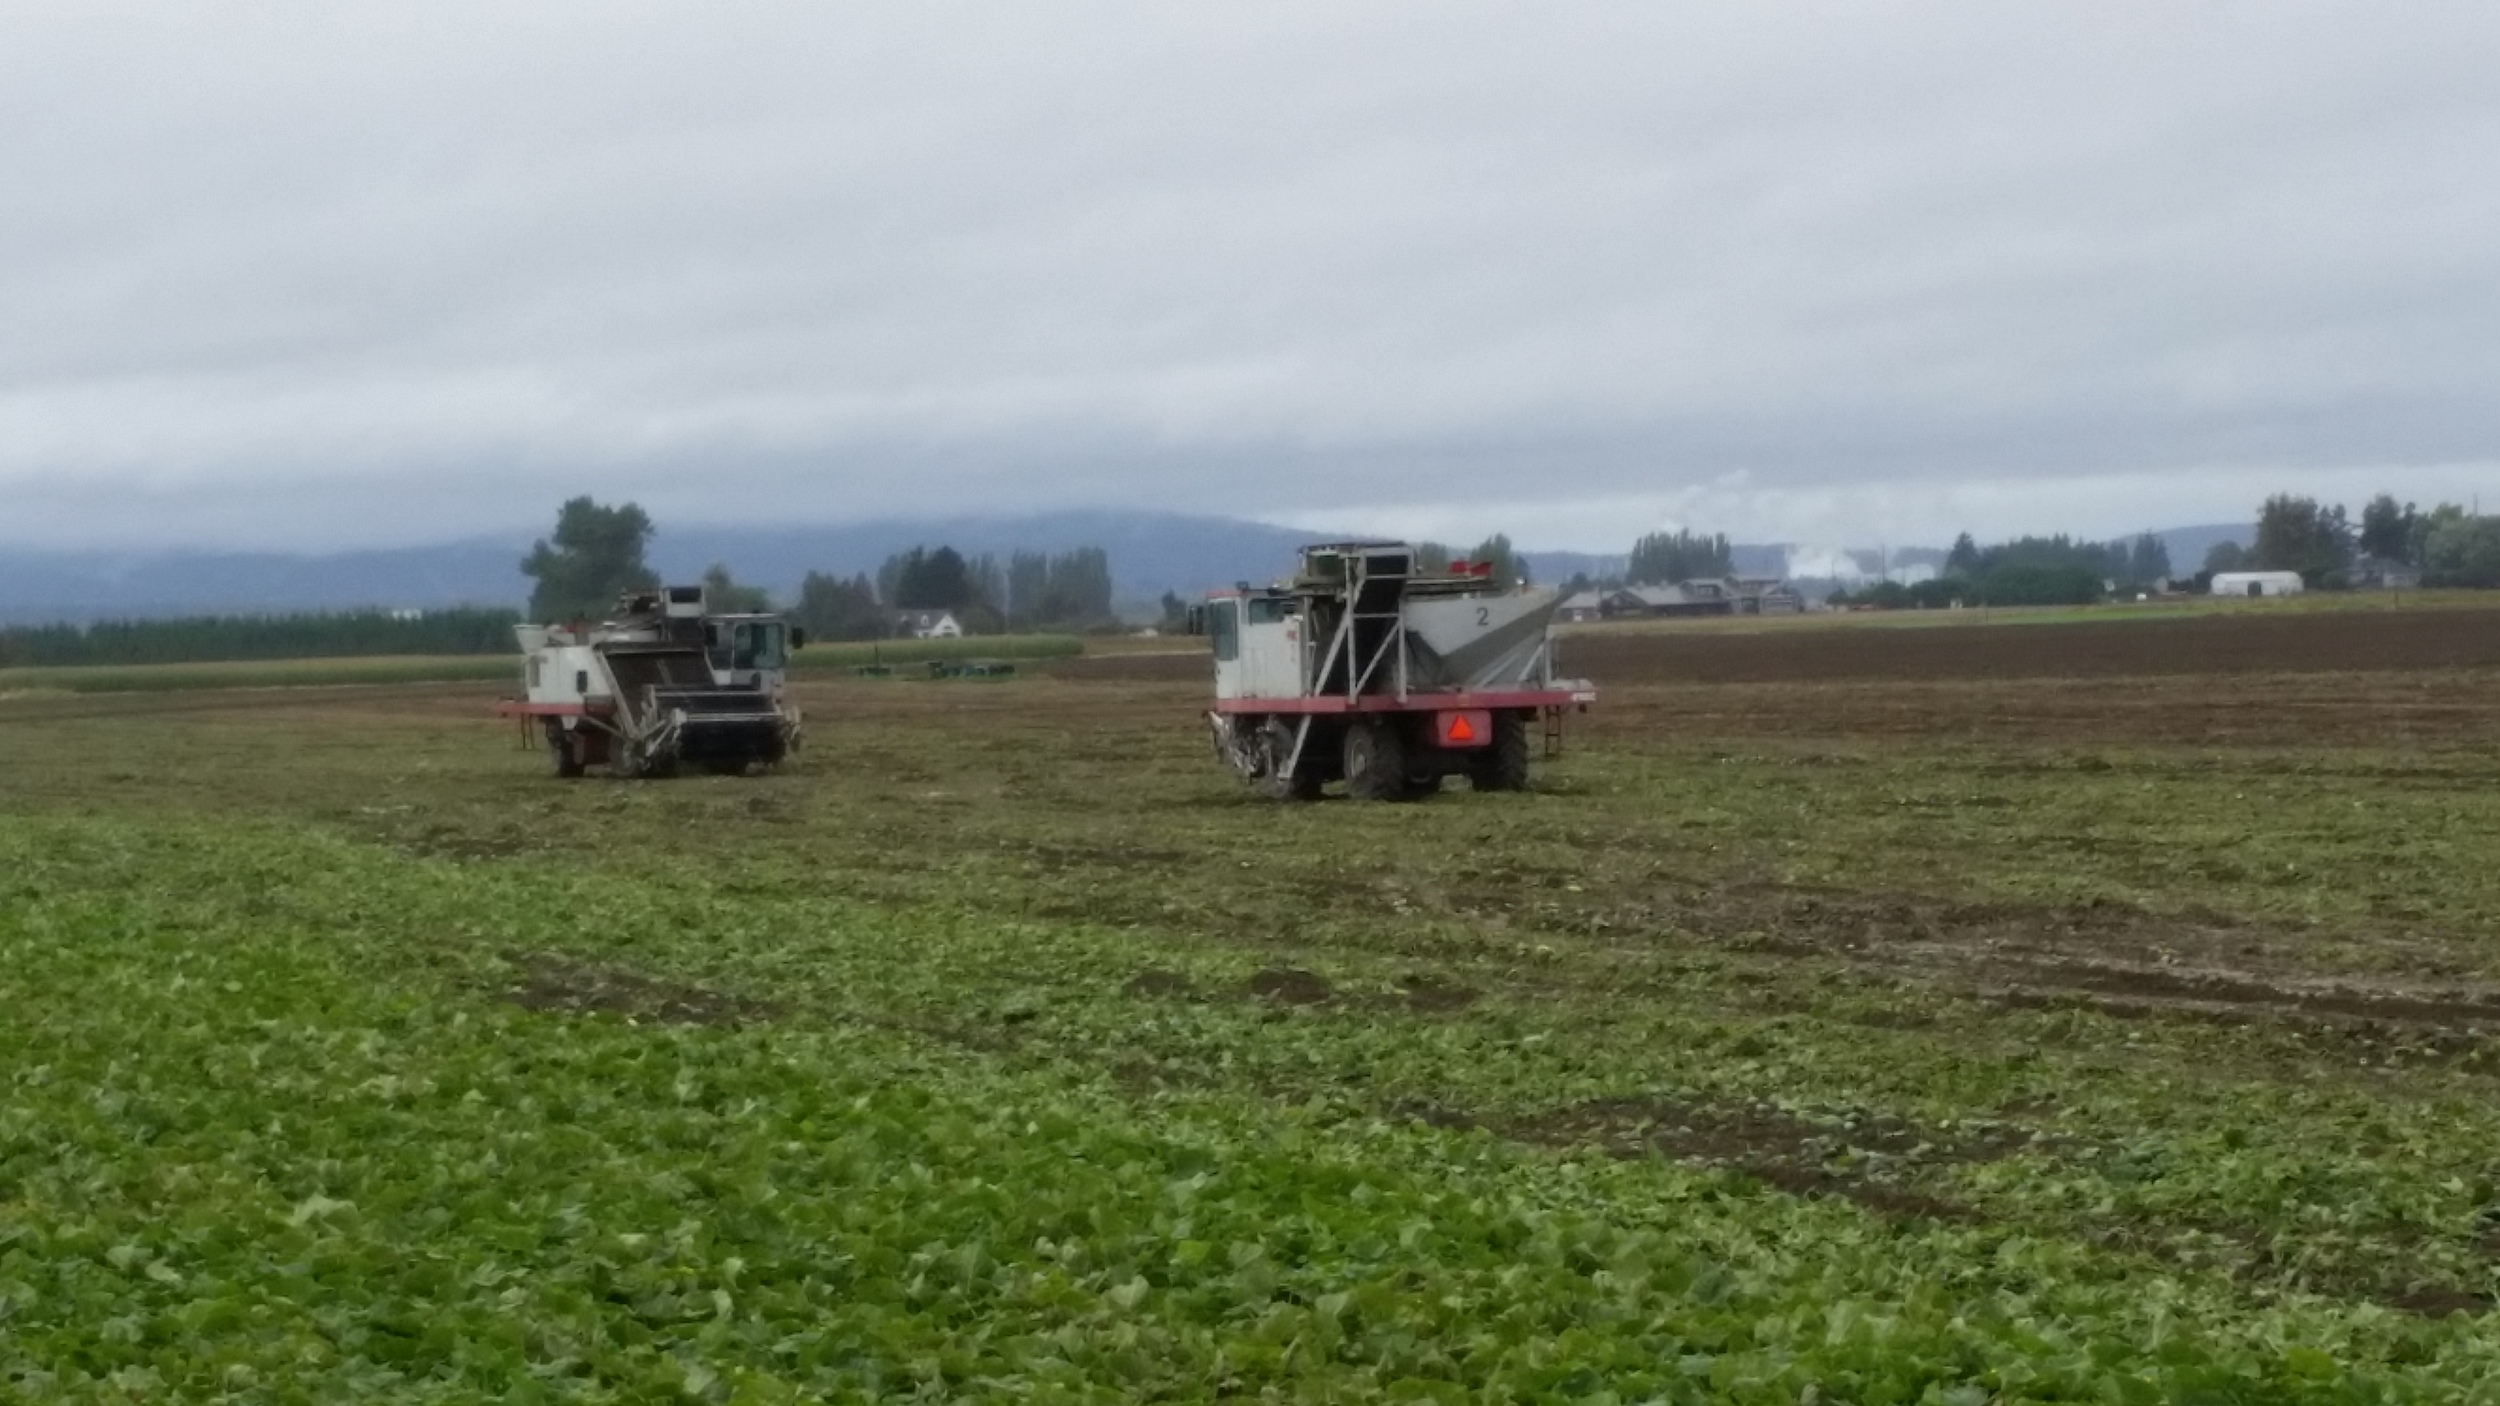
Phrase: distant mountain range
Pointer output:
(1151, 553)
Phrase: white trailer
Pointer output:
(1364, 669)
(662, 683)
(2257, 583)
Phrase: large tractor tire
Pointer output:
(1375, 761)
(564, 749)
(1503, 766)
(1275, 782)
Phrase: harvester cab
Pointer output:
(750, 651)
(659, 684)
(1366, 668)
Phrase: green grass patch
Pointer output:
(289, 673)
(850, 654)
(248, 1153)
(2018, 1041)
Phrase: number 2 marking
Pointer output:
(1484, 615)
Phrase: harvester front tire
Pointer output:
(565, 750)
(1375, 762)
(1275, 749)
(1504, 765)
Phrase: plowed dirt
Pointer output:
(2322, 641)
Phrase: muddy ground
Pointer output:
(2192, 644)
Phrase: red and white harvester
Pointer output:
(1364, 669)
(661, 683)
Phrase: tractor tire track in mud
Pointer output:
(2122, 961)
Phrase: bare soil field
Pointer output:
(2385, 678)
(2200, 644)
(2189, 645)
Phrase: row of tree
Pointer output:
(364, 633)
(596, 553)
(594, 556)
(2326, 545)
(1029, 591)
(2125, 562)
(1664, 557)
(2056, 570)
(2446, 546)
(830, 608)
(1501, 561)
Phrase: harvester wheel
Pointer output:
(1375, 762)
(1503, 766)
(565, 749)
(1275, 749)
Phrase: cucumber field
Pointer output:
(2074, 1013)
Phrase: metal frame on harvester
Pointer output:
(1434, 665)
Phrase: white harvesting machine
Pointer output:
(1364, 669)
(663, 683)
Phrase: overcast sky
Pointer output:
(313, 275)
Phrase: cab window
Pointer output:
(1267, 610)
(764, 647)
(1224, 628)
(746, 645)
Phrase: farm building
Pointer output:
(1587, 605)
(927, 625)
(1729, 595)
(1767, 595)
(2382, 572)
(2256, 583)
(1632, 602)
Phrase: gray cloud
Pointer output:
(304, 275)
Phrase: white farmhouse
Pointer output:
(2256, 583)
(928, 624)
